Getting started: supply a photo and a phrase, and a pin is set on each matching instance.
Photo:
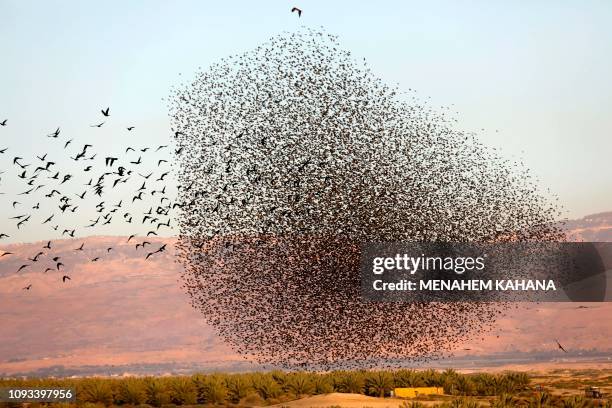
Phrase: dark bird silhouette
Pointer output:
(65, 278)
(35, 258)
(560, 346)
(28, 287)
(22, 267)
(3, 123)
(98, 125)
(54, 134)
(48, 246)
(130, 128)
(160, 249)
(5, 254)
(110, 161)
(105, 112)
(23, 221)
(298, 11)
(80, 248)
(26, 192)
(144, 243)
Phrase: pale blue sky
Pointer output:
(537, 71)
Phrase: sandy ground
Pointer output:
(343, 400)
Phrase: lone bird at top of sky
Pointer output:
(299, 11)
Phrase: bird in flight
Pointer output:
(560, 346)
(143, 244)
(105, 112)
(28, 287)
(98, 126)
(3, 123)
(161, 249)
(130, 128)
(299, 11)
(65, 278)
(54, 134)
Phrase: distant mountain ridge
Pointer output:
(595, 227)
(123, 312)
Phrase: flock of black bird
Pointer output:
(291, 157)
(60, 195)
(296, 156)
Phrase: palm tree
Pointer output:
(350, 382)
(155, 392)
(238, 387)
(299, 384)
(183, 391)
(379, 383)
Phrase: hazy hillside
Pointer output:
(131, 313)
(596, 227)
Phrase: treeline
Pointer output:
(272, 387)
(537, 400)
